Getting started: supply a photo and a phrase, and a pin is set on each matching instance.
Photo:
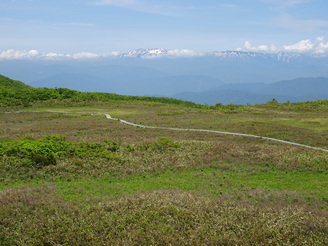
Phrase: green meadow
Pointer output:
(70, 176)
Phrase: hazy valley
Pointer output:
(217, 77)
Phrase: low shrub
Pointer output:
(47, 150)
(163, 144)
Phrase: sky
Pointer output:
(90, 27)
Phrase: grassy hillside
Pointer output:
(73, 177)
(27, 96)
(10, 83)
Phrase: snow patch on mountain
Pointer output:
(316, 49)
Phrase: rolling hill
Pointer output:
(296, 90)
(10, 83)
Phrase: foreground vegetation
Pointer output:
(77, 178)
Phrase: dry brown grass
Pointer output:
(37, 216)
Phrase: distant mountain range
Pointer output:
(212, 77)
(282, 56)
(144, 82)
(296, 90)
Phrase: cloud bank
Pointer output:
(34, 54)
(143, 53)
(317, 48)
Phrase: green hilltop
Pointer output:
(16, 93)
(10, 83)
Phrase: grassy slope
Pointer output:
(17, 94)
(196, 189)
(10, 83)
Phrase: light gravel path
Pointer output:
(211, 131)
(184, 129)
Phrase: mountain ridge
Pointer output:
(153, 53)
(295, 90)
(282, 56)
(166, 76)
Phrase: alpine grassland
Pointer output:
(71, 176)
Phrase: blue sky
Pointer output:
(100, 26)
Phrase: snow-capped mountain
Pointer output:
(164, 71)
(145, 53)
(281, 56)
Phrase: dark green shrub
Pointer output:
(130, 148)
(43, 159)
(163, 144)
(111, 146)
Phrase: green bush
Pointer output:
(163, 144)
(43, 159)
(36, 152)
(47, 150)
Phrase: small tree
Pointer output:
(273, 101)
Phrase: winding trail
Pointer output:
(211, 131)
(183, 129)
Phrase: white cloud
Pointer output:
(319, 47)
(182, 53)
(54, 56)
(302, 46)
(260, 48)
(322, 49)
(146, 54)
(76, 56)
(160, 53)
(114, 53)
(85, 55)
(34, 54)
(19, 54)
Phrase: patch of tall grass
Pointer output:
(37, 216)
